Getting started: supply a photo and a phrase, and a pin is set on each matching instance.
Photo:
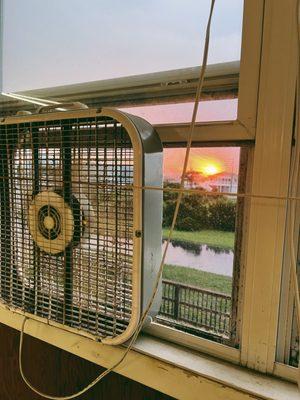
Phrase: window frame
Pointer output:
(242, 130)
(271, 168)
(229, 348)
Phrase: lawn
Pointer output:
(212, 238)
(203, 279)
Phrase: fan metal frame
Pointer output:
(141, 289)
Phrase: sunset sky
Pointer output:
(203, 160)
(222, 159)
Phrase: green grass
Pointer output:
(212, 238)
(194, 277)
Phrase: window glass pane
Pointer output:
(51, 43)
(214, 110)
(200, 278)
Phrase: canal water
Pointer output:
(200, 256)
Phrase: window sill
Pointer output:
(169, 368)
(232, 376)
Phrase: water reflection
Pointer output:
(200, 256)
(219, 250)
(188, 246)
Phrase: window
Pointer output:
(238, 110)
(228, 122)
(201, 274)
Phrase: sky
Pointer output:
(58, 42)
(222, 159)
(208, 111)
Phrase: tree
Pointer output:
(222, 213)
(197, 212)
(193, 211)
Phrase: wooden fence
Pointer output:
(196, 308)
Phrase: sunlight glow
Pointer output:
(210, 169)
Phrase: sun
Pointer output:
(206, 166)
(210, 169)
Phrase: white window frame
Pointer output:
(271, 168)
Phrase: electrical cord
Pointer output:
(157, 281)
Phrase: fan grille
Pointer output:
(89, 162)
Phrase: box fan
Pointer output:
(80, 240)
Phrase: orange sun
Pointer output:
(210, 169)
(206, 166)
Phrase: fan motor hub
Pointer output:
(51, 222)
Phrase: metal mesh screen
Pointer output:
(67, 222)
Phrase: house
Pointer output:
(223, 182)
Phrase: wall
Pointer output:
(59, 373)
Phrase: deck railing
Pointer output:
(191, 307)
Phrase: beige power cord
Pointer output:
(157, 281)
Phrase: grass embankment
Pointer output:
(202, 279)
(192, 276)
(220, 239)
